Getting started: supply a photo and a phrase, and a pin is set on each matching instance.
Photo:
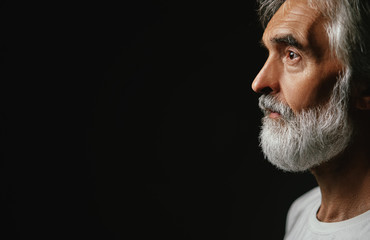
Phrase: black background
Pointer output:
(136, 120)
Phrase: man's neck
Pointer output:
(345, 185)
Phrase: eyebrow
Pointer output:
(288, 40)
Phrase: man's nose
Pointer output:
(267, 80)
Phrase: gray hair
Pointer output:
(348, 31)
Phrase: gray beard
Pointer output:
(296, 142)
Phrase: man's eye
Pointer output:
(293, 55)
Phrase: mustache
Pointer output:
(269, 103)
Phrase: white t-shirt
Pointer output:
(302, 222)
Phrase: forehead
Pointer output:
(297, 18)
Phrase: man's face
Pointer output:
(304, 96)
(300, 70)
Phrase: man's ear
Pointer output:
(363, 100)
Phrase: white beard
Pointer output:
(298, 142)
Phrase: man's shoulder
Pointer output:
(302, 205)
(306, 199)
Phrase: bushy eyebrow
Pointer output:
(288, 40)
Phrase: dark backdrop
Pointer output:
(136, 120)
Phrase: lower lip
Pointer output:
(274, 115)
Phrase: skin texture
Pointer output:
(301, 71)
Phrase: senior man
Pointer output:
(315, 88)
